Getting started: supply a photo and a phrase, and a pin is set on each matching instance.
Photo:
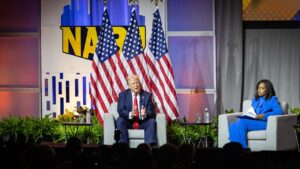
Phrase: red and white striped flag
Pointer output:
(132, 59)
(154, 68)
(105, 80)
(160, 71)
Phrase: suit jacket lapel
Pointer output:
(129, 100)
(266, 106)
(141, 99)
(255, 104)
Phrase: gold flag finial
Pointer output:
(156, 2)
(132, 2)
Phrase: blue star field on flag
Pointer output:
(106, 46)
(133, 44)
(157, 44)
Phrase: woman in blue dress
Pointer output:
(265, 104)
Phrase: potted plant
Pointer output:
(31, 128)
(10, 128)
(296, 111)
(88, 134)
(192, 134)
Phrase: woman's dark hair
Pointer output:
(269, 89)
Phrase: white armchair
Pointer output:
(279, 135)
(136, 136)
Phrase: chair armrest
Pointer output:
(280, 133)
(161, 128)
(108, 129)
(224, 121)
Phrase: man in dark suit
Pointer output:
(136, 110)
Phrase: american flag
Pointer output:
(132, 59)
(154, 68)
(105, 80)
(160, 71)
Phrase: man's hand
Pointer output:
(260, 116)
(134, 112)
(143, 112)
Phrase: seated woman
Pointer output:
(265, 104)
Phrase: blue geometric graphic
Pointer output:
(296, 16)
(64, 93)
(89, 13)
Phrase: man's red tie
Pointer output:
(136, 118)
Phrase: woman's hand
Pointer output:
(260, 116)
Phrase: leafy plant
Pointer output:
(93, 133)
(97, 131)
(175, 132)
(67, 116)
(179, 133)
(229, 111)
(78, 114)
(213, 129)
(295, 110)
(48, 129)
(31, 128)
(10, 127)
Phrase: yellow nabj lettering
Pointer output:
(90, 42)
(73, 36)
(70, 41)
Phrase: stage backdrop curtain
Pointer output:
(273, 54)
(229, 54)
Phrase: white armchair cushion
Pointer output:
(257, 135)
(108, 129)
(113, 109)
(136, 134)
(281, 132)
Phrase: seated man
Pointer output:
(136, 110)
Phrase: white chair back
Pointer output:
(113, 109)
(284, 105)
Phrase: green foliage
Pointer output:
(47, 129)
(31, 128)
(229, 111)
(295, 110)
(213, 130)
(10, 127)
(175, 132)
(97, 131)
(92, 133)
(178, 133)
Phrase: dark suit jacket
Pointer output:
(125, 104)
